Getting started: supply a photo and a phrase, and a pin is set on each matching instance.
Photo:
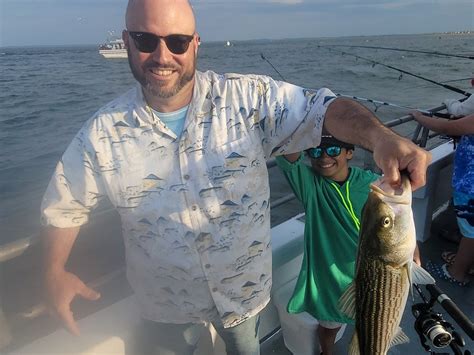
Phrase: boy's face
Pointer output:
(330, 164)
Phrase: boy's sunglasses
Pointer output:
(316, 153)
(147, 42)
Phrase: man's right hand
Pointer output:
(61, 288)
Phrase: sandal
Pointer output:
(441, 272)
(450, 256)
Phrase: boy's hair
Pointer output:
(328, 141)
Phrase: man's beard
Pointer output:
(153, 87)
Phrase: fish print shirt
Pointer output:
(195, 208)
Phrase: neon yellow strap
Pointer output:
(354, 217)
(347, 204)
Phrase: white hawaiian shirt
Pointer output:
(195, 208)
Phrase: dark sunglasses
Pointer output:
(316, 153)
(147, 42)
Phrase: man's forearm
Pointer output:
(351, 122)
(57, 245)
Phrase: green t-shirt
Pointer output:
(330, 235)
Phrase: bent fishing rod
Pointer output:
(374, 62)
(377, 104)
(400, 50)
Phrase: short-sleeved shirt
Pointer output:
(460, 108)
(194, 209)
(463, 173)
(331, 238)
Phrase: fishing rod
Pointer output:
(377, 104)
(401, 50)
(374, 62)
(265, 59)
(433, 330)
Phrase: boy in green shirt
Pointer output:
(333, 195)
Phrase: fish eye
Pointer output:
(386, 222)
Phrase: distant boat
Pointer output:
(114, 48)
(228, 44)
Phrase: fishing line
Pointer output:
(453, 80)
(401, 71)
(400, 50)
(444, 82)
(265, 59)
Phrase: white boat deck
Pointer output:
(107, 324)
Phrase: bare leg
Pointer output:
(464, 259)
(327, 337)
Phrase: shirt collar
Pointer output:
(142, 113)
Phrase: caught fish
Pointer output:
(384, 271)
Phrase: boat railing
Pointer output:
(11, 251)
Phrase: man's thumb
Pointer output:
(89, 293)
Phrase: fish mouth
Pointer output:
(400, 194)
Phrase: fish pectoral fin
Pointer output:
(347, 301)
(399, 338)
(354, 345)
(421, 276)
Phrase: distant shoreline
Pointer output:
(88, 45)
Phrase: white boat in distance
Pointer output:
(114, 48)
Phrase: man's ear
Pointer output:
(197, 38)
(125, 38)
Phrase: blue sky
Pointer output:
(56, 22)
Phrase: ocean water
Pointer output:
(46, 93)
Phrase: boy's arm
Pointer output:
(417, 256)
(295, 172)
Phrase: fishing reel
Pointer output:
(432, 328)
(434, 331)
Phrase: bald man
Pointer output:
(182, 156)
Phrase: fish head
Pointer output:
(388, 228)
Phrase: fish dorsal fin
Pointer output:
(421, 276)
(347, 301)
(354, 345)
(399, 338)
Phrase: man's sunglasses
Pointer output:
(316, 153)
(147, 42)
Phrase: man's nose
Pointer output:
(162, 54)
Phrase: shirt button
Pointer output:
(207, 266)
(186, 177)
(214, 289)
(194, 207)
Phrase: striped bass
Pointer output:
(384, 271)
